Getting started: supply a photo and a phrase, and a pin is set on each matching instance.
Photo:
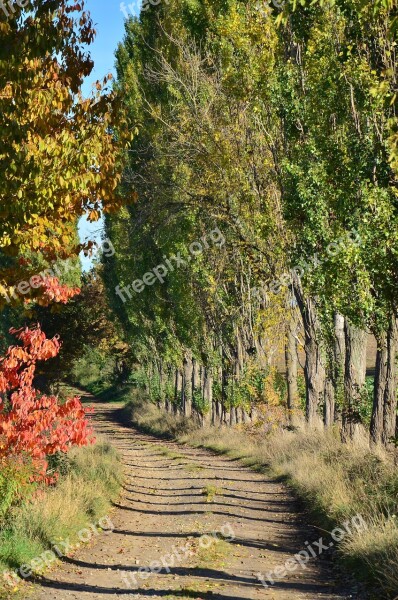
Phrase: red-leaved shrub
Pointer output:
(31, 423)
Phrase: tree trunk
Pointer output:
(314, 370)
(217, 404)
(226, 416)
(334, 382)
(217, 413)
(178, 391)
(246, 416)
(291, 362)
(354, 378)
(390, 397)
(196, 380)
(207, 396)
(384, 414)
(168, 404)
(187, 386)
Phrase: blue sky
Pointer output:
(109, 23)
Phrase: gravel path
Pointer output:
(205, 526)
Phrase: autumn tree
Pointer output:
(58, 152)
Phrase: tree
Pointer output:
(58, 153)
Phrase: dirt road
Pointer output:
(173, 496)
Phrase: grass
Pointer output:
(215, 555)
(336, 481)
(160, 423)
(193, 468)
(91, 478)
(211, 491)
(169, 453)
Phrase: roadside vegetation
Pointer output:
(34, 518)
(54, 478)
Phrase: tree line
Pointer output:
(278, 127)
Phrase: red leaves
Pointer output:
(51, 290)
(31, 423)
(54, 291)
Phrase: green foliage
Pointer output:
(301, 391)
(13, 486)
(94, 367)
(366, 401)
(199, 403)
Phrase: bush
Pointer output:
(14, 475)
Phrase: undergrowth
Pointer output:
(38, 517)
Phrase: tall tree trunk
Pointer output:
(217, 405)
(240, 355)
(195, 374)
(354, 378)
(161, 402)
(207, 395)
(178, 391)
(187, 386)
(291, 362)
(225, 377)
(329, 404)
(390, 397)
(384, 414)
(196, 381)
(334, 383)
(214, 419)
(246, 416)
(226, 416)
(168, 399)
(314, 370)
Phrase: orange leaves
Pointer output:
(34, 424)
(54, 291)
(94, 215)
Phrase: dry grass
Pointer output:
(211, 492)
(91, 478)
(149, 418)
(336, 481)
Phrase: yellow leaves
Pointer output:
(7, 91)
(94, 215)
(60, 158)
(5, 240)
